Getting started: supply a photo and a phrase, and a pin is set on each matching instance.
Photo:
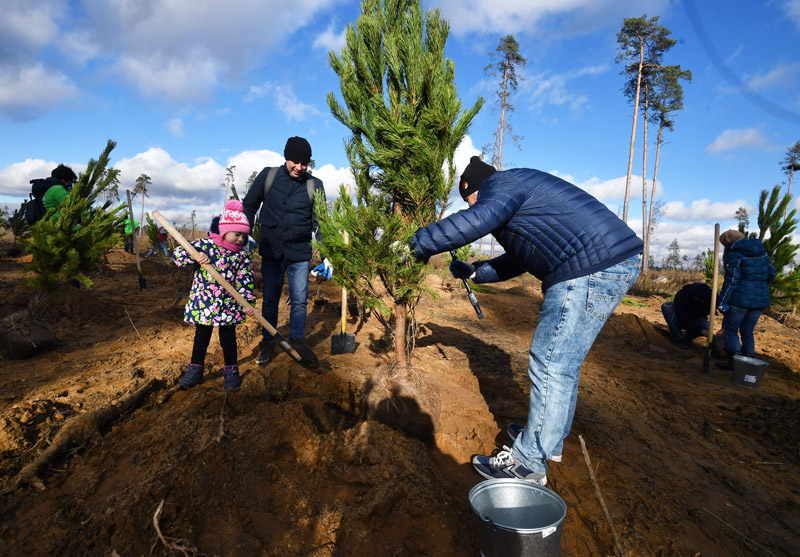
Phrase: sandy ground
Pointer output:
(688, 464)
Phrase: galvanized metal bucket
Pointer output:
(747, 372)
(517, 518)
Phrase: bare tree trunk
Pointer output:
(225, 197)
(645, 235)
(491, 251)
(652, 201)
(502, 119)
(633, 134)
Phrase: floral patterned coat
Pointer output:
(209, 303)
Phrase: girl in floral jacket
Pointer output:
(210, 305)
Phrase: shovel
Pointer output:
(307, 358)
(142, 281)
(343, 343)
(470, 294)
(712, 311)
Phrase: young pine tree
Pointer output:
(406, 120)
(785, 289)
(72, 243)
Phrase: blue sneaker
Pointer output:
(514, 430)
(504, 465)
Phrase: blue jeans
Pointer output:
(163, 246)
(692, 331)
(272, 271)
(741, 320)
(572, 314)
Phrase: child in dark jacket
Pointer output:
(212, 306)
(745, 291)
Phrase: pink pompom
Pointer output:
(233, 205)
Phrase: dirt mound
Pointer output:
(292, 464)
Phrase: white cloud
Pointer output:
(285, 100)
(332, 177)
(792, 9)
(329, 40)
(749, 138)
(782, 75)
(191, 77)
(175, 127)
(561, 18)
(23, 93)
(703, 210)
(15, 178)
(27, 26)
(550, 88)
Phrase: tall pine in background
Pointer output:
(71, 244)
(401, 106)
(642, 43)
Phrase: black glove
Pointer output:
(461, 269)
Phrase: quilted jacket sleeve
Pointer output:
(464, 227)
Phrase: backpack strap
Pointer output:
(268, 181)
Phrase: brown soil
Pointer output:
(688, 464)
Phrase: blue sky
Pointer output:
(189, 87)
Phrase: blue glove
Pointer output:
(324, 270)
(724, 307)
(461, 269)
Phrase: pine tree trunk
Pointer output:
(788, 192)
(400, 318)
(633, 134)
(645, 231)
(141, 222)
(646, 266)
(502, 122)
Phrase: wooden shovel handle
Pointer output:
(713, 308)
(226, 285)
(133, 233)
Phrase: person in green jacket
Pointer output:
(62, 179)
(129, 232)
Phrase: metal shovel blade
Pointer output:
(342, 343)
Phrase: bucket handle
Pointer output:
(547, 531)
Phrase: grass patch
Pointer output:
(632, 302)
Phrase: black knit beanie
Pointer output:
(475, 173)
(297, 149)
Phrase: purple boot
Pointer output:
(232, 380)
(193, 376)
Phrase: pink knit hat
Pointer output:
(233, 219)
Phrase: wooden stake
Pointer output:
(600, 499)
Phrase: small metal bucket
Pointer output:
(517, 518)
(747, 372)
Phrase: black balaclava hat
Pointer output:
(63, 173)
(297, 149)
(475, 173)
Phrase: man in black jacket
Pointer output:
(586, 258)
(287, 222)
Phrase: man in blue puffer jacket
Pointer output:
(587, 259)
(745, 292)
